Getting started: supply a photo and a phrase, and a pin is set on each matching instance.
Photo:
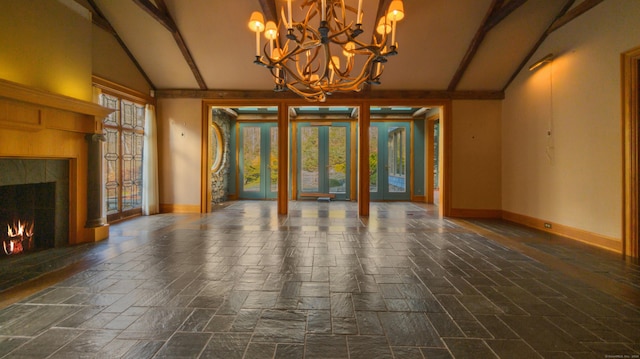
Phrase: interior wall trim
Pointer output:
(121, 91)
(630, 68)
(475, 213)
(179, 208)
(594, 239)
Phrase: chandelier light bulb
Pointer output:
(256, 22)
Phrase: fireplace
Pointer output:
(34, 207)
(47, 137)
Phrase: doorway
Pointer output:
(389, 161)
(251, 171)
(324, 168)
(258, 160)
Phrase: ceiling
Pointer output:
(466, 47)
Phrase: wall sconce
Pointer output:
(545, 60)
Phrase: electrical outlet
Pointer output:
(547, 225)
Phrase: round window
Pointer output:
(216, 147)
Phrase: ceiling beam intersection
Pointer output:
(501, 13)
(101, 21)
(574, 13)
(161, 14)
(535, 47)
(489, 21)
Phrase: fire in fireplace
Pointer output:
(28, 213)
(19, 238)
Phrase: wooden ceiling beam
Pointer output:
(161, 14)
(474, 46)
(364, 94)
(535, 47)
(157, 14)
(503, 12)
(270, 10)
(574, 13)
(106, 25)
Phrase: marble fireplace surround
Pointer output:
(36, 124)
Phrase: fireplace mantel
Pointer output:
(40, 124)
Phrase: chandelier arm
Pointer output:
(316, 96)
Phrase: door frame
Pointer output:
(630, 62)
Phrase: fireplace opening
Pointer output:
(27, 217)
(34, 205)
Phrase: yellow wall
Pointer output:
(475, 162)
(47, 45)
(179, 150)
(572, 177)
(112, 63)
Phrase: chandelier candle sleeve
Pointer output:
(256, 23)
(305, 58)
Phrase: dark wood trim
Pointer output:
(96, 10)
(283, 159)
(474, 46)
(580, 9)
(368, 95)
(535, 47)
(364, 196)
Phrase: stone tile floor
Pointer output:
(243, 282)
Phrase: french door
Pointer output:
(389, 161)
(323, 159)
(258, 160)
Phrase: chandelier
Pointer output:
(322, 53)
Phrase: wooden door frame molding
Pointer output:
(630, 63)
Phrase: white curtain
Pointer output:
(150, 197)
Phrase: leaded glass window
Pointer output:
(122, 162)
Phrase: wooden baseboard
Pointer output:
(475, 213)
(419, 199)
(179, 208)
(577, 234)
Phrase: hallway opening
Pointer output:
(399, 157)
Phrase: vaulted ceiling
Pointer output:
(445, 46)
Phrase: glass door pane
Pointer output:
(273, 159)
(373, 159)
(396, 160)
(258, 160)
(389, 160)
(309, 167)
(337, 167)
(251, 159)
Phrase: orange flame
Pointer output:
(17, 234)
